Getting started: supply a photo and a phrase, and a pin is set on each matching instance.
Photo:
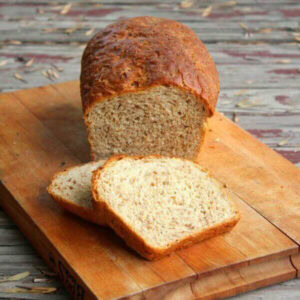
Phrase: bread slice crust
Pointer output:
(136, 242)
(88, 214)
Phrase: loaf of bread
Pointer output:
(160, 204)
(147, 86)
(71, 189)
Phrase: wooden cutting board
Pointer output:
(42, 132)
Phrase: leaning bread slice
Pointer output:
(160, 204)
(71, 189)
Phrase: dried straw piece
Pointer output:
(228, 3)
(52, 73)
(66, 9)
(29, 62)
(186, 4)
(246, 103)
(19, 77)
(14, 42)
(39, 280)
(16, 277)
(246, 29)
(31, 289)
(3, 62)
(57, 68)
(207, 11)
(89, 32)
(283, 142)
(50, 30)
(265, 30)
(284, 61)
(45, 73)
(73, 29)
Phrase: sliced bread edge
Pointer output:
(83, 212)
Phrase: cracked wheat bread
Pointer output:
(160, 204)
(71, 189)
(147, 86)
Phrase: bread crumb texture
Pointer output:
(161, 120)
(74, 184)
(163, 200)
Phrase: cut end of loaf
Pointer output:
(160, 204)
(162, 120)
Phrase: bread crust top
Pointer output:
(138, 53)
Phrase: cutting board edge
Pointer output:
(282, 267)
(295, 260)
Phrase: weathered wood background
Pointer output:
(255, 45)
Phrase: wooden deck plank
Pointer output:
(222, 53)
(271, 76)
(107, 11)
(209, 34)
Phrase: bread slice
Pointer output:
(160, 204)
(71, 189)
(147, 86)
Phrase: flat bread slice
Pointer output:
(160, 204)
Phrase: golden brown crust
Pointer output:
(83, 212)
(130, 236)
(138, 53)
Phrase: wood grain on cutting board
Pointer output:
(225, 283)
(262, 177)
(41, 132)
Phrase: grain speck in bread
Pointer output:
(71, 189)
(160, 204)
(147, 86)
